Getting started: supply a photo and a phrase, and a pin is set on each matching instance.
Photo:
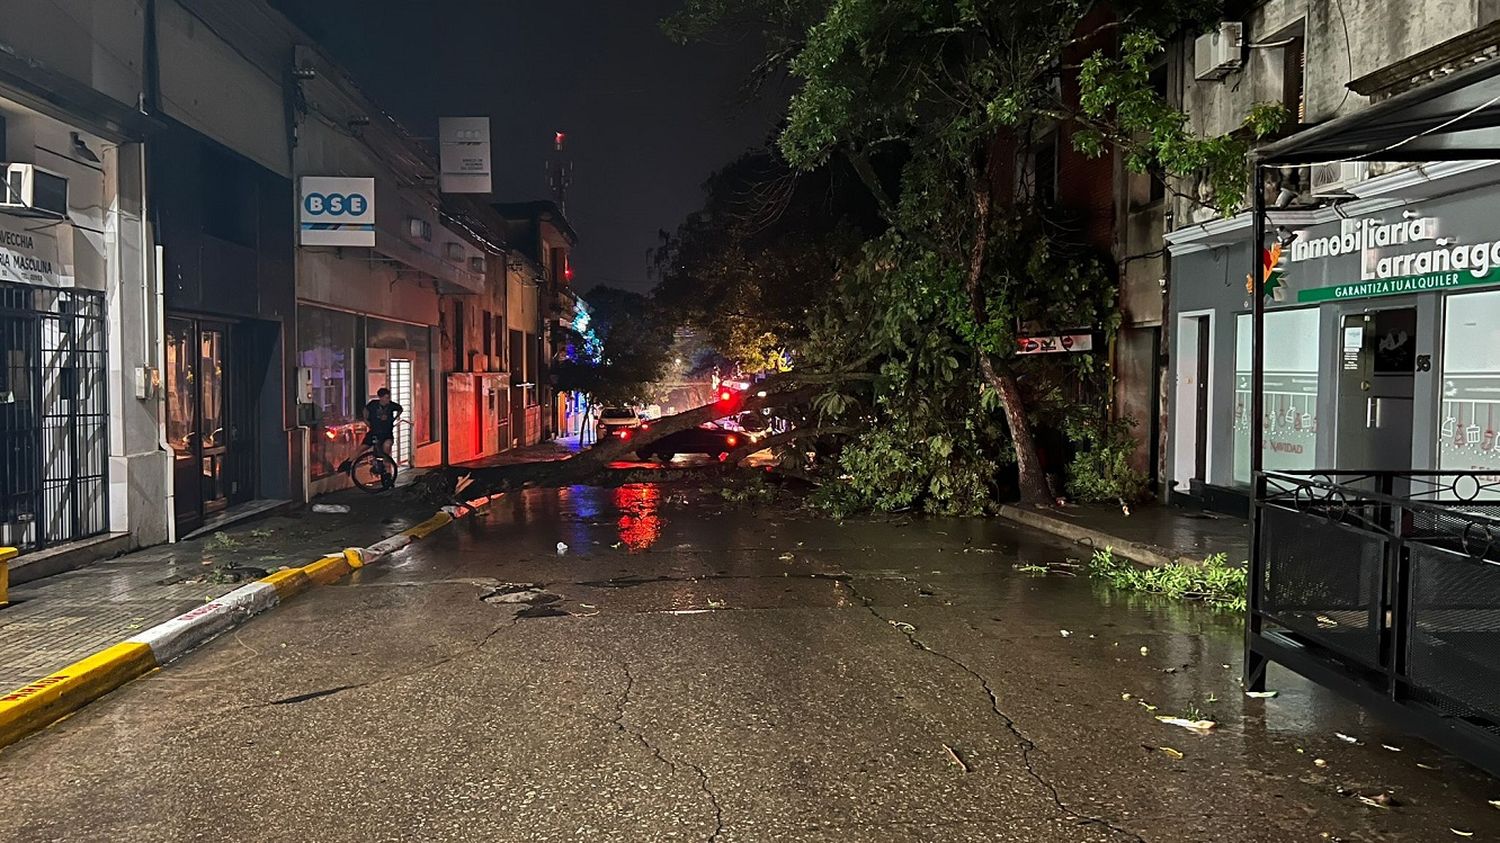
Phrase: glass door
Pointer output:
(213, 421)
(182, 420)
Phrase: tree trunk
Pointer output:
(1032, 479)
(583, 426)
(1030, 475)
(589, 463)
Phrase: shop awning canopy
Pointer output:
(1456, 117)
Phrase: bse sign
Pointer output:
(338, 211)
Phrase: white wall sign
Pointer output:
(464, 154)
(1055, 345)
(338, 211)
(31, 257)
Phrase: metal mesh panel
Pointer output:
(1323, 580)
(53, 416)
(1454, 632)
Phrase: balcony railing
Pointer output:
(1387, 586)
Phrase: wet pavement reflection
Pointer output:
(650, 663)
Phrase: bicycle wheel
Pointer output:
(373, 472)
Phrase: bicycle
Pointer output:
(372, 470)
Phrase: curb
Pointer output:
(1134, 551)
(35, 706)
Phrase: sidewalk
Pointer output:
(54, 621)
(547, 451)
(1151, 534)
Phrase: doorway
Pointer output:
(1377, 373)
(1190, 434)
(402, 393)
(206, 426)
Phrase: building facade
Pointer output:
(541, 240)
(80, 418)
(384, 296)
(1379, 318)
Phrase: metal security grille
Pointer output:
(53, 416)
(401, 393)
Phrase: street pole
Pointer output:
(1255, 664)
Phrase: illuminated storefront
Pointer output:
(1382, 336)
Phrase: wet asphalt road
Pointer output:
(687, 673)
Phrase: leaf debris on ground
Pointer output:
(1201, 726)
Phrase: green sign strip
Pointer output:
(1399, 286)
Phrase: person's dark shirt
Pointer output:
(382, 418)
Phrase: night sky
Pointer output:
(647, 120)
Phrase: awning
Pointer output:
(1456, 117)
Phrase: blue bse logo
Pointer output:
(336, 204)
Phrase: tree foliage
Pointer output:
(634, 336)
(747, 270)
(932, 105)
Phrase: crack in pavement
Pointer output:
(1027, 745)
(339, 689)
(618, 721)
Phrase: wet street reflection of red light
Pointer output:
(640, 523)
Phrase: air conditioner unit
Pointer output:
(1218, 53)
(1335, 179)
(33, 192)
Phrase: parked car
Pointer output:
(709, 439)
(619, 422)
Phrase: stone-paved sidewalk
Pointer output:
(1153, 535)
(55, 621)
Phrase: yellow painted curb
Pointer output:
(430, 526)
(328, 569)
(288, 582)
(33, 706)
(6, 554)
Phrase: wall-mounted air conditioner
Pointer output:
(1220, 52)
(1335, 179)
(33, 192)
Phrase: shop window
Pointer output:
(1469, 418)
(327, 341)
(1291, 392)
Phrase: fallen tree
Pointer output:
(453, 483)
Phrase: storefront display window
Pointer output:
(1291, 391)
(1470, 414)
(326, 344)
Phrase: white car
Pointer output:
(618, 422)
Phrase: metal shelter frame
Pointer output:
(1384, 586)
